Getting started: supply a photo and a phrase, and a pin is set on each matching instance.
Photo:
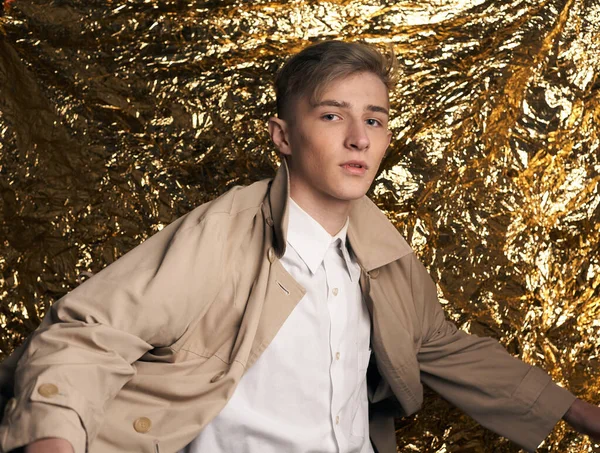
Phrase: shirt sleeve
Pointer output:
(82, 354)
(501, 392)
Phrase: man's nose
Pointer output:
(356, 137)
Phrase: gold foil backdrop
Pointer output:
(117, 117)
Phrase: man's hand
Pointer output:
(585, 418)
(50, 445)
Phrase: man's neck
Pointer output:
(330, 215)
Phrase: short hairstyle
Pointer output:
(312, 69)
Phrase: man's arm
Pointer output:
(504, 394)
(82, 354)
(585, 418)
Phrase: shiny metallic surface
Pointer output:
(117, 117)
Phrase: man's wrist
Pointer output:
(50, 445)
(585, 418)
(574, 415)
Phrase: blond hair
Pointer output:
(311, 70)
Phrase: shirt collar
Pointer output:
(311, 241)
(372, 237)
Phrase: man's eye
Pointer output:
(373, 122)
(330, 117)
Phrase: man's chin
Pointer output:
(356, 193)
(352, 196)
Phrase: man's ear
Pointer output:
(278, 130)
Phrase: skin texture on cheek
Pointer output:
(309, 162)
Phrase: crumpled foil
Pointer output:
(117, 117)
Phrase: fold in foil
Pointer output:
(118, 117)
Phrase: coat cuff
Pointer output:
(34, 421)
(551, 405)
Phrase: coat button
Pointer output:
(217, 377)
(142, 425)
(269, 221)
(374, 274)
(271, 255)
(48, 390)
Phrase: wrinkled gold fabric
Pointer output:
(117, 117)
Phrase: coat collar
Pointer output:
(373, 238)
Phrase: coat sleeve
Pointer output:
(502, 393)
(82, 353)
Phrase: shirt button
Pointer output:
(337, 356)
(142, 425)
(271, 255)
(48, 390)
(335, 291)
(337, 420)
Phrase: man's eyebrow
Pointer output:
(346, 105)
(332, 103)
(377, 108)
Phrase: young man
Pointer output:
(251, 323)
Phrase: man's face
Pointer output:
(334, 147)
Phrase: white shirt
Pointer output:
(307, 391)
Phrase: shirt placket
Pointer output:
(339, 316)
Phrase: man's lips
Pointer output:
(355, 167)
(356, 164)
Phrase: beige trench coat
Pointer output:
(143, 355)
